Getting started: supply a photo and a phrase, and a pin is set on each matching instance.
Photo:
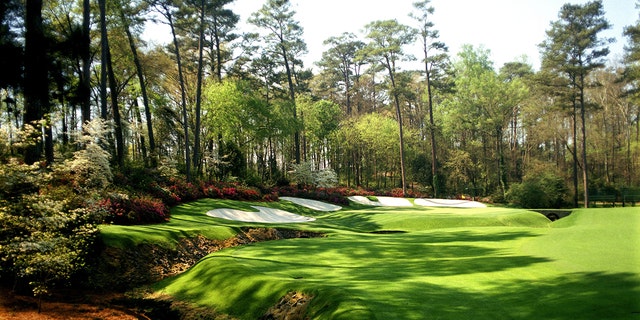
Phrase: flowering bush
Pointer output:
(149, 210)
(410, 193)
(333, 195)
(270, 197)
(165, 194)
(139, 210)
(186, 191)
(396, 192)
(89, 168)
(211, 191)
(304, 174)
(326, 178)
(250, 194)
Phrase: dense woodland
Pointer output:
(93, 119)
(221, 104)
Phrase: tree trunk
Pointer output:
(36, 84)
(48, 140)
(216, 43)
(502, 178)
(107, 72)
(115, 109)
(183, 95)
(432, 126)
(85, 79)
(292, 96)
(347, 89)
(143, 91)
(585, 179)
(196, 143)
(103, 57)
(143, 147)
(166, 12)
(401, 133)
(574, 119)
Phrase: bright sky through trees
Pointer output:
(509, 28)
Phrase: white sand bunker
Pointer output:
(402, 202)
(313, 204)
(382, 201)
(263, 215)
(449, 203)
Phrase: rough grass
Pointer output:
(443, 263)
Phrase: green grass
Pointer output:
(489, 263)
(187, 220)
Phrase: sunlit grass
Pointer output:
(442, 263)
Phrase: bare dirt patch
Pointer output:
(72, 307)
(292, 306)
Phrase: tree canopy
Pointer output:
(215, 87)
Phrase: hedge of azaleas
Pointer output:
(150, 202)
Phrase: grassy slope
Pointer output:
(489, 263)
(187, 220)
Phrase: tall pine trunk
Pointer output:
(183, 96)
(104, 48)
(215, 45)
(292, 96)
(574, 120)
(143, 91)
(396, 99)
(197, 163)
(432, 126)
(85, 79)
(115, 109)
(36, 87)
(107, 66)
(585, 178)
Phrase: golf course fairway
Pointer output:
(429, 263)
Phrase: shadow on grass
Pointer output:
(213, 283)
(401, 276)
(263, 273)
(395, 256)
(569, 296)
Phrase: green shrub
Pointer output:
(542, 191)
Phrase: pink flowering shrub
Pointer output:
(186, 191)
(149, 210)
(270, 197)
(332, 195)
(120, 209)
(163, 193)
(397, 192)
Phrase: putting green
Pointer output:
(489, 263)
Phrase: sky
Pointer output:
(510, 29)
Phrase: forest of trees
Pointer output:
(219, 103)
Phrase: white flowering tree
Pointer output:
(305, 174)
(90, 165)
